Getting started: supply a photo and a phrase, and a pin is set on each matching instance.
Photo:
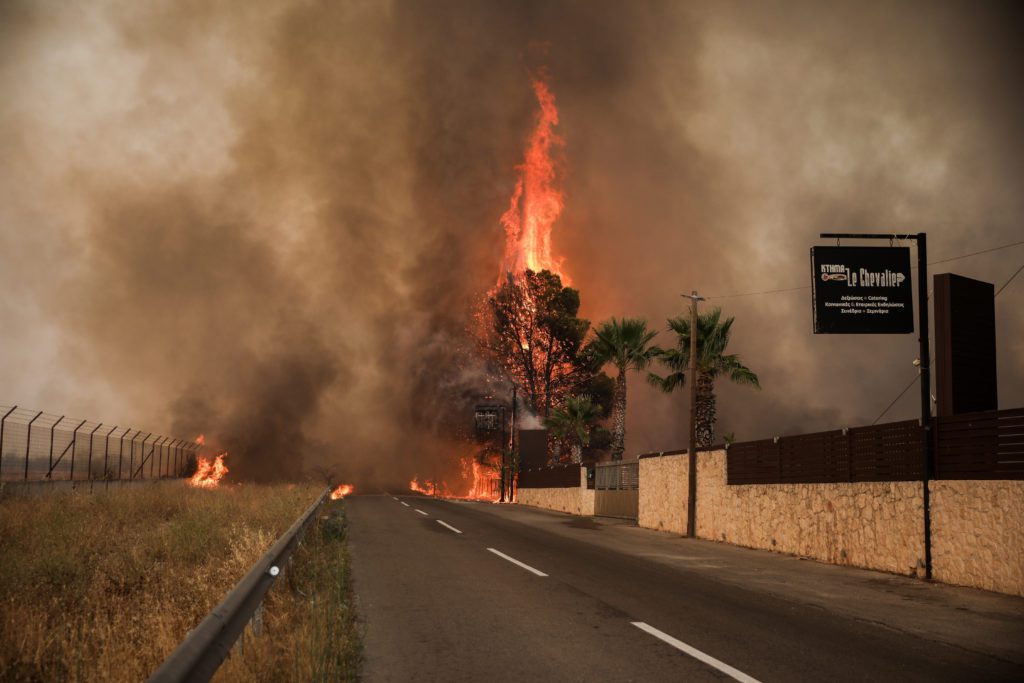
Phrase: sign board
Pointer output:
(862, 290)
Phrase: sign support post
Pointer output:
(924, 367)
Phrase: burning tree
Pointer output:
(535, 336)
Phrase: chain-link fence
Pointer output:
(38, 446)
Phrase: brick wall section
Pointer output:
(978, 534)
(664, 493)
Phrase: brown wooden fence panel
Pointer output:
(984, 445)
(753, 462)
(887, 452)
(563, 476)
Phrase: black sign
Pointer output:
(862, 290)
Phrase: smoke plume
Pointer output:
(269, 221)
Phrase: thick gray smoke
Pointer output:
(269, 221)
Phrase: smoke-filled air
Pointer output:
(276, 223)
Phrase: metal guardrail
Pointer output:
(199, 656)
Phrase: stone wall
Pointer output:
(977, 526)
(664, 493)
(978, 534)
(875, 525)
(562, 499)
(576, 500)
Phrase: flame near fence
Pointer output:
(38, 446)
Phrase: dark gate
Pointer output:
(617, 489)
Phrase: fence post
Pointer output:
(106, 458)
(74, 445)
(49, 469)
(158, 447)
(2, 421)
(142, 456)
(120, 453)
(28, 441)
(90, 453)
(131, 455)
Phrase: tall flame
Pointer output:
(478, 483)
(208, 474)
(536, 203)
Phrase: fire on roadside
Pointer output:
(342, 491)
(478, 482)
(209, 473)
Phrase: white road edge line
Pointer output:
(404, 503)
(448, 526)
(517, 562)
(421, 512)
(394, 498)
(695, 653)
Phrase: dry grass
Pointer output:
(104, 586)
(309, 625)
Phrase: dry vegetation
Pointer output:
(104, 586)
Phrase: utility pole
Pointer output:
(691, 503)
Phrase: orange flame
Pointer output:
(201, 440)
(415, 486)
(342, 491)
(536, 203)
(478, 483)
(208, 474)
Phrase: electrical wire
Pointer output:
(930, 263)
(918, 376)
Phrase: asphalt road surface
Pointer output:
(452, 591)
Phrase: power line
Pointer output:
(918, 376)
(930, 263)
(905, 390)
(976, 253)
(1010, 280)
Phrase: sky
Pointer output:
(269, 221)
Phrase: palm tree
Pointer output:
(626, 344)
(712, 362)
(574, 421)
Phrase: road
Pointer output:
(453, 591)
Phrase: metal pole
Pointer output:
(28, 441)
(142, 456)
(158, 447)
(924, 358)
(171, 450)
(926, 393)
(74, 445)
(90, 453)
(512, 445)
(131, 457)
(691, 503)
(49, 469)
(120, 452)
(106, 457)
(2, 421)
